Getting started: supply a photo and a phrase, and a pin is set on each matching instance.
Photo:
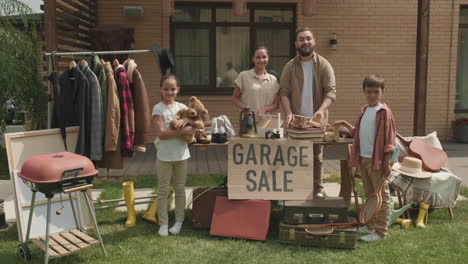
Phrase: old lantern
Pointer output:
(248, 128)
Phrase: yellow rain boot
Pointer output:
(423, 214)
(150, 215)
(152, 212)
(129, 197)
(405, 223)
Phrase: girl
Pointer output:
(256, 88)
(172, 154)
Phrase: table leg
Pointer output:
(346, 182)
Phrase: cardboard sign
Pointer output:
(270, 169)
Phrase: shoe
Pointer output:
(175, 229)
(150, 215)
(319, 195)
(405, 223)
(422, 216)
(372, 238)
(129, 197)
(364, 230)
(163, 230)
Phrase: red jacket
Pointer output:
(384, 142)
(127, 115)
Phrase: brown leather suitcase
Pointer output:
(340, 238)
(203, 205)
(248, 219)
(317, 211)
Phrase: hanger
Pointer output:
(71, 65)
(82, 61)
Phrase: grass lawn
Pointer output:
(464, 191)
(443, 241)
(113, 189)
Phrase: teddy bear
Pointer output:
(195, 121)
(200, 134)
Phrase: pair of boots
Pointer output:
(129, 197)
(421, 221)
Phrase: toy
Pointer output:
(200, 134)
(194, 120)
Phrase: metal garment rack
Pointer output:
(50, 55)
(78, 53)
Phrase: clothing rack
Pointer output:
(50, 55)
(78, 53)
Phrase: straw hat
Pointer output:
(411, 167)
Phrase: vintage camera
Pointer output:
(270, 134)
(220, 137)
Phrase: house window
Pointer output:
(211, 46)
(461, 100)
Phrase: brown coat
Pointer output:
(292, 80)
(141, 106)
(112, 156)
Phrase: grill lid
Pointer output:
(55, 167)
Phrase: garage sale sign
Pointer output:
(270, 169)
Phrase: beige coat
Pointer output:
(112, 156)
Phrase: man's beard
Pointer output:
(305, 52)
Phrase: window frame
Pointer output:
(460, 26)
(211, 88)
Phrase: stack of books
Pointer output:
(306, 133)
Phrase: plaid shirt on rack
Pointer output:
(127, 115)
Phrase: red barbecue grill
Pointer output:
(51, 174)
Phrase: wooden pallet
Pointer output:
(65, 242)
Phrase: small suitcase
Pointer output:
(203, 205)
(340, 238)
(318, 211)
(248, 219)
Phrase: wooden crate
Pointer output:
(64, 243)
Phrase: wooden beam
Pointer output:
(422, 51)
(50, 24)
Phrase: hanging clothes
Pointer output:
(71, 93)
(97, 119)
(112, 143)
(141, 106)
(96, 66)
(127, 115)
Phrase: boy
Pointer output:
(374, 142)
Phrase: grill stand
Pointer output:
(73, 210)
(89, 204)
(46, 252)
(23, 250)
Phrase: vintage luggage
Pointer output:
(340, 238)
(202, 209)
(248, 219)
(318, 211)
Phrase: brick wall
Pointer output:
(373, 37)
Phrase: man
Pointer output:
(307, 88)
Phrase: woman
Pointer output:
(255, 88)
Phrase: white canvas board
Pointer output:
(23, 145)
(38, 223)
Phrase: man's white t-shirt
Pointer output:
(173, 149)
(367, 131)
(307, 98)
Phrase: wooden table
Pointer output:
(347, 179)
